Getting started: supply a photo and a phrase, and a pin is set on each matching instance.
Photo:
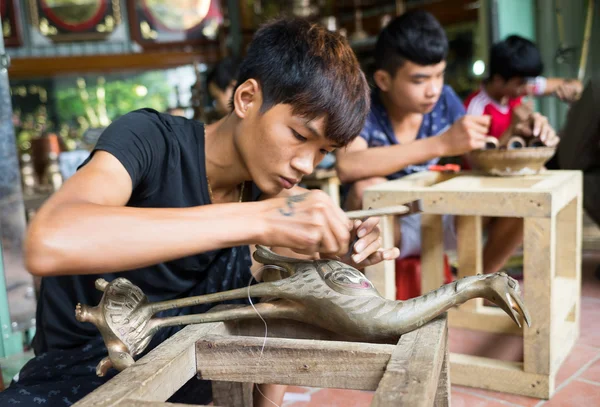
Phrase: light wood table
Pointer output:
(410, 372)
(551, 205)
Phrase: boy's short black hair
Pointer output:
(312, 69)
(515, 57)
(415, 36)
(224, 72)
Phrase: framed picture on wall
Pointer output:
(75, 20)
(157, 23)
(11, 31)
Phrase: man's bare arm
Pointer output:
(357, 161)
(85, 228)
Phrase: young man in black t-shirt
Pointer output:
(159, 202)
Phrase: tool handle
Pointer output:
(367, 213)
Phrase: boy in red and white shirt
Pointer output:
(515, 72)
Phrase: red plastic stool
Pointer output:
(408, 276)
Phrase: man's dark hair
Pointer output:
(312, 69)
(515, 57)
(415, 36)
(224, 72)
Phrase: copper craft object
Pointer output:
(325, 293)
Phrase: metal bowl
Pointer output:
(514, 162)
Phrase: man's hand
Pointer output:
(367, 250)
(312, 224)
(466, 134)
(307, 223)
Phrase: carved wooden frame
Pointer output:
(10, 19)
(136, 30)
(105, 22)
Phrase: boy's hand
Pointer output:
(466, 134)
(569, 91)
(537, 125)
(367, 250)
(307, 223)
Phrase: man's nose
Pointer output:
(303, 164)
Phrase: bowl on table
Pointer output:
(511, 162)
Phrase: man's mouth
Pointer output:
(288, 183)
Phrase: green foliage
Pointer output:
(120, 95)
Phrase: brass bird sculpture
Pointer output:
(326, 293)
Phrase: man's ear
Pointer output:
(247, 96)
(383, 80)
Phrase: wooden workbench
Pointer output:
(551, 205)
(411, 372)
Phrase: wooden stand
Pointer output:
(414, 372)
(325, 180)
(551, 205)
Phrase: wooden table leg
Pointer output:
(538, 278)
(232, 394)
(569, 224)
(383, 274)
(432, 252)
(470, 252)
(412, 374)
(442, 397)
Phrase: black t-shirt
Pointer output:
(164, 155)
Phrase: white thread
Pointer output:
(264, 322)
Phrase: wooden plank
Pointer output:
(443, 395)
(568, 239)
(282, 328)
(480, 203)
(383, 274)
(412, 375)
(477, 183)
(485, 319)
(28, 67)
(387, 211)
(159, 374)
(552, 180)
(564, 298)
(487, 196)
(145, 403)
(564, 187)
(538, 273)
(469, 236)
(344, 365)
(499, 375)
(233, 394)
(432, 252)
(566, 339)
(489, 203)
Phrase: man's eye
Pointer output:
(298, 136)
(324, 152)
